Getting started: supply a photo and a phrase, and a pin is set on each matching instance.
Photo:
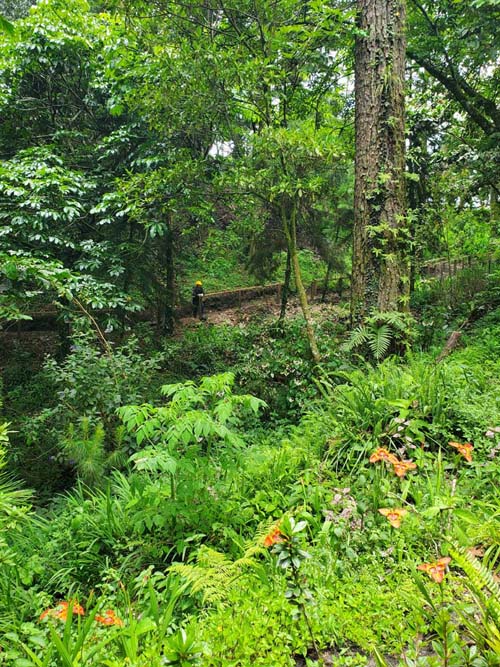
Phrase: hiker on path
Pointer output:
(197, 299)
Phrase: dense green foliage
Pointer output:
(202, 482)
(283, 489)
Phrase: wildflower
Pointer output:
(381, 454)
(465, 449)
(435, 570)
(402, 467)
(109, 618)
(393, 516)
(60, 611)
(273, 537)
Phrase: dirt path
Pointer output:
(40, 343)
(265, 308)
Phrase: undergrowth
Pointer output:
(185, 542)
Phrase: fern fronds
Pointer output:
(379, 331)
(214, 573)
(397, 320)
(357, 337)
(379, 341)
(479, 581)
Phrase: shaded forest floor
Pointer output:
(266, 308)
(41, 343)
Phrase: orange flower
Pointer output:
(61, 611)
(465, 449)
(273, 537)
(435, 570)
(402, 467)
(381, 454)
(109, 618)
(393, 516)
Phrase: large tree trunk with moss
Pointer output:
(164, 279)
(289, 220)
(379, 270)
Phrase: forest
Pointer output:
(249, 333)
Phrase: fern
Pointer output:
(397, 320)
(484, 628)
(380, 341)
(214, 573)
(379, 331)
(479, 581)
(358, 336)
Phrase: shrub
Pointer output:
(76, 429)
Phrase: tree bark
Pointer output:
(290, 229)
(379, 268)
(286, 286)
(480, 109)
(451, 344)
(170, 278)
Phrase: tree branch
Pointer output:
(467, 98)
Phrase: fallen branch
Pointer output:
(450, 345)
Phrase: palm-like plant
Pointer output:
(381, 332)
(86, 447)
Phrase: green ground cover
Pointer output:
(203, 526)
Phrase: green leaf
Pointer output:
(6, 26)
(61, 648)
(299, 526)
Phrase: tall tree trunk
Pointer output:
(417, 192)
(126, 278)
(170, 278)
(327, 280)
(379, 267)
(290, 229)
(494, 205)
(286, 285)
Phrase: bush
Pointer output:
(76, 425)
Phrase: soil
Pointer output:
(259, 309)
(38, 344)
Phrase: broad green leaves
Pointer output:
(27, 280)
(40, 202)
(199, 416)
(6, 26)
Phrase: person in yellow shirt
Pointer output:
(197, 300)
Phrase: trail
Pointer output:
(264, 308)
(39, 343)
